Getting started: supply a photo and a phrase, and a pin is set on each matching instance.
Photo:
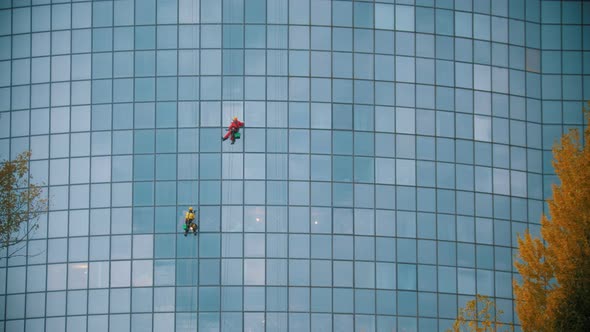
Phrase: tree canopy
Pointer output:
(554, 293)
(21, 202)
(479, 315)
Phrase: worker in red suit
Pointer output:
(233, 129)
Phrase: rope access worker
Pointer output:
(233, 130)
(189, 222)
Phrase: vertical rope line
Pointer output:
(287, 181)
(375, 185)
(176, 104)
(221, 150)
(265, 207)
(309, 131)
(197, 263)
(197, 106)
(395, 134)
(243, 108)
(473, 146)
(353, 157)
(332, 150)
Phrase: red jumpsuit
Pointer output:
(233, 128)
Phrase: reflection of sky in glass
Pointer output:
(390, 155)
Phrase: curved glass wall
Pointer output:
(392, 152)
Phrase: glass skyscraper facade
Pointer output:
(393, 150)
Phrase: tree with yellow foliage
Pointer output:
(554, 294)
(486, 319)
(21, 202)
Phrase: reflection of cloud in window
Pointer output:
(482, 128)
(254, 271)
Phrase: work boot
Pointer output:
(223, 138)
(232, 142)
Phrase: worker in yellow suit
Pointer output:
(189, 222)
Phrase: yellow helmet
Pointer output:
(235, 118)
(190, 208)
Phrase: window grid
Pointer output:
(543, 128)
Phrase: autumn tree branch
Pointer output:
(21, 203)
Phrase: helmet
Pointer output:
(235, 118)
(190, 208)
